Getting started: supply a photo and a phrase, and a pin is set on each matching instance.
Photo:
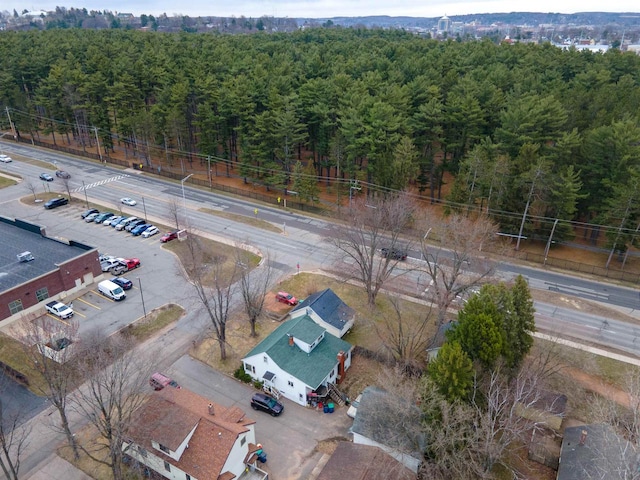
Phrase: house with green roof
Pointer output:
(297, 359)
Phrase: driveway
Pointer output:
(290, 440)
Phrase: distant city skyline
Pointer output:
(324, 8)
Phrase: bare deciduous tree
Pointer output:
(369, 225)
(173, 209)
(116, 378)
(253, 284)
(214, 286)
(14, 435)
(49, 347)
(456, 267)
(32, 187)
(404, 340)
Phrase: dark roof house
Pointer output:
(596, 451)
(327, 310)
(363, 462)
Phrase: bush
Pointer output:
(241, 375)
(258, 384)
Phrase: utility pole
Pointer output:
(13, 128)
(86, 199)
(95, 129)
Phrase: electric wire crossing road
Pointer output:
(101, 182)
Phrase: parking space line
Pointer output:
(78, 313)
(106, 298)
(88, 303)
(58, 319)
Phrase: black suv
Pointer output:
(262, 401)
(56, 202)
(394, 253)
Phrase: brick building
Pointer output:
(54, 268)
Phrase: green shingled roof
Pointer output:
(310, 368)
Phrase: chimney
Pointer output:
(583, 437)
(340, 366)
(211, 412)
(290, 340)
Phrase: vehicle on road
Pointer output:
(123, 223)
(56, 202)
(140, 229)
(150, 231)
(128, 201)
(111, 290)
(86, 213)
(131, 225)
(287, 298)
(91, 217)
(46, 177)
(393, 253)
(125, 265)
(112, 220)
(59, 309)
(262, 401)
(62, 174)
(167, 237)
(123, 282)
(102, 217)
(5, 159)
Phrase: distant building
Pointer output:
(444, 24)
(54, 268)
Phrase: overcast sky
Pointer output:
(325, 8)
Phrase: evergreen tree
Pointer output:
(452, 372)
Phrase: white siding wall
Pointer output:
(407, 460)
(235, 460)
(157, 463)
(281, 382)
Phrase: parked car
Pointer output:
(123, 282)
(103, 257)
(167, 237)
(125, 265)
(287, 298)
(125, 222)
(89, 212)
(150, 231)
(134, 224)
(112, 220)
(62, 174)
(46, 177)
(393, 253)
(262, 401)
(91, 217)
(56, 202)
(158, 381)
(140, 229)
(5, 159)
(128, 201)
(102, 217)
(108, 264)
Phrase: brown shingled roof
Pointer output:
(170, 414)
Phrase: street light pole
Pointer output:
(142, 297)
(84, 187)
(184, 201)
(145, 209)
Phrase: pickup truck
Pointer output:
(124, 265)
(59, 309)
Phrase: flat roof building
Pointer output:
(34, 267)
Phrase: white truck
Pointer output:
(59, 309)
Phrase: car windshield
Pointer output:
(272, 403)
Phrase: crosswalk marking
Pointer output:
(101, 182)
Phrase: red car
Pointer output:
(287, 298)
(167, 237)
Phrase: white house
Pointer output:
(327, 310)
(298, 358)
(181, 435)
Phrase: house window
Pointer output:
(249, 368)
(167, 467)
(300, 396)
(243, 440)
(266, 360)
(15, 306)
(188, 476)
(42, 294)
(290, 383)
(164, 449)
(142, 452)
(312, 345)
(332, 373)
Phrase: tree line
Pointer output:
(530, 133)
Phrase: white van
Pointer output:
(111, 290)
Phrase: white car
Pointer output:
(128, 201)
(5, 159)
(150, 231)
